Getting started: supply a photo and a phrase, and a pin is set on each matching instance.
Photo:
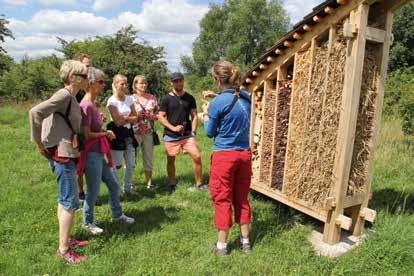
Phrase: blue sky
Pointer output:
(169, 23)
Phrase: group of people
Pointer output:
(71, 135)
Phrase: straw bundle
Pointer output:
(365, 124)
(297, 122)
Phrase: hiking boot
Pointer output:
(70, 257)
(219, 252)
(245, 247)
(77, 243)
(171, 189)
(124, 219)
(92, 229)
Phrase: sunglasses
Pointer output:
(81, 75)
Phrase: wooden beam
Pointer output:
(249, 81)
(376, 35)
(347, 122)
(318, 29)
(288, 44)
(297, 36)
(263, 66)
(383, 63)
(317, 19)
(270, 59)
(296, 204)
(329, 10)
(255, 73)
(307, 28)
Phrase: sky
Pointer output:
(172, 24)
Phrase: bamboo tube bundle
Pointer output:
(267, 132)
(281, 133)
(365, 124)
(297, 122)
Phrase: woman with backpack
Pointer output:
(227, 120)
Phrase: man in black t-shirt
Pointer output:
(178, 115)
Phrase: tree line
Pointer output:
(239, 31)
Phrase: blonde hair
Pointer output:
(137, 79)
(226, 73)
(71, 67)
(117, 78)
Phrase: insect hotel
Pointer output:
(317, 96)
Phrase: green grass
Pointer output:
(173, 235)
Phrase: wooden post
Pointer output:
(347, 122)
(383, 59)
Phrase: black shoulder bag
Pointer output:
(78, 139)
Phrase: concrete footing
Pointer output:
(346, 244)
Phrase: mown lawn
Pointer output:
(173, 235)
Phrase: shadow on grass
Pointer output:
(146, 221)
(282, 219)
(392, 201)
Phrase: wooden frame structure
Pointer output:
(278, 133)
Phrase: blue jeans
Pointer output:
(68, 195)
(129, 156)
(96, 169)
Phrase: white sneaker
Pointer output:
(92, 228)
(124, 219)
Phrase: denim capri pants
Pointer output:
(67, 184)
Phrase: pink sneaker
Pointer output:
(76, 243)
(70, 257)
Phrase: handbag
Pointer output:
(155, 138)
(78, 139)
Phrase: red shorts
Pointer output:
(188, 145)
(230, 176)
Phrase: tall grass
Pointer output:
(173, 235)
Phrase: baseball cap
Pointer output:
(176, 76)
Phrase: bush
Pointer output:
(399, 97)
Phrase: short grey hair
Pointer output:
(71, 67)
(94, 74)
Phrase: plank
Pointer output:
(347, 122)
(375, 35)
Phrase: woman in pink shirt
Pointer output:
(146, 107)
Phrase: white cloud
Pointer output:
(169, 23)
(104, 5)
(55, 2)
(297, 9)
(15, 2)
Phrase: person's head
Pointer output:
(74, 73)
(84, 58)
(96, 79)
(140, 84)
(177, 81)
(225, 74)
(119, 84)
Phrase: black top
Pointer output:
(178, 111)
(80, 95)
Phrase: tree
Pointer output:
(239, 31)
(402, 54)
(4, 32)
(121, 53)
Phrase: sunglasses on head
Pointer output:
(81, 75)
